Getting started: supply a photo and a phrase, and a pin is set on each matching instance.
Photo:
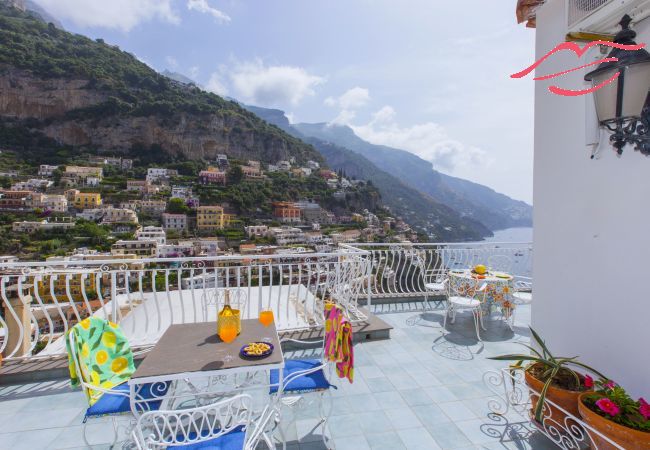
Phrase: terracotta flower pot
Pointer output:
(568, 400)
(627, 438)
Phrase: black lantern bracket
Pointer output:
(633, 130)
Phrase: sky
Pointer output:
(427, 76)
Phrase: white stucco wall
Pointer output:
(591, 229)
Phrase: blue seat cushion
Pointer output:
(314, 381)
(233, 440)
(117, 404)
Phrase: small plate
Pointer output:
(244, 354)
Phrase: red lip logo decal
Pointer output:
(575, 48)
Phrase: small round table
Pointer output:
(498, 289)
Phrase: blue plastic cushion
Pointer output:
(233, 440)
(117, 404)
(311, 382)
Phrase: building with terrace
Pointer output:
(212, 218)
(176, 222)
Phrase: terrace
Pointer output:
(417, 384)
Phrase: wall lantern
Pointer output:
(622, 105)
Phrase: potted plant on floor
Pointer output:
(553, 378)
(613, 413)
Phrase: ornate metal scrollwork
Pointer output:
(630, 130)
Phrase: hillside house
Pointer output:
(176, 222)
(286, 212)
(212, 218)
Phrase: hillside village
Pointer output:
(165, 214)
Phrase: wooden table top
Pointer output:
(194, 349)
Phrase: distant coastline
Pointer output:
(518, 234)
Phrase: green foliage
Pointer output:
(629, 414)
(555, 369)
(177, 206)
(235, 175)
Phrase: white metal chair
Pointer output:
(116, 401)
(501, 263)
(463, 298)
(434, 281)
(225, 424)
(522, 291)
(302, 376)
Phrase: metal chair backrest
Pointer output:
(163, 429)
(467, 287)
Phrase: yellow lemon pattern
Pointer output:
(119, 364)
(108, 339)
(102, 356)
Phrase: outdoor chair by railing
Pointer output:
(523, 291)
(302, 376)
(114, 401)
(434, 281)
(463, 297)
(226, 424)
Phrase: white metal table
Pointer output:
(189, 355)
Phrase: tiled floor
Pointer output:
(422, 389)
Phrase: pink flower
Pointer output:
(609, 385)
(644, 409)
(608, 406)
(589, 382)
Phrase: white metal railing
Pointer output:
(513, 397)
(42, 300)
(580, 9)
(400, 270)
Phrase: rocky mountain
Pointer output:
(89, 95)
(59, 89)
(178, 77)
(417, 208)
(495, 210)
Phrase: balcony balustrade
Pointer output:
(42, 300)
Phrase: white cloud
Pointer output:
(216, 85)
(171, 62)
(115, 14)
(193, 72)
(348, 102)
(428, 140)
(202, 6)
(263, 85)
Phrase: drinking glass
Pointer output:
(228, 332)
(266, 317)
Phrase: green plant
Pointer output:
(614, 403)
(556, 370)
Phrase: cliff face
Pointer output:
(24, 96)
(48, 102)
(85, 93)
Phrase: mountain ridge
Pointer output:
(440, 220)
(482, 203)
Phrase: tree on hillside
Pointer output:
(177, 206)
(235, 175)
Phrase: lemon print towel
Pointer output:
(103, 356)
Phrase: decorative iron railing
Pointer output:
(401, 270)
(42, 300)
(513, 398)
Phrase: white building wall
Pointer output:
(591, 237)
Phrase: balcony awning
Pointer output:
(526, 11)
